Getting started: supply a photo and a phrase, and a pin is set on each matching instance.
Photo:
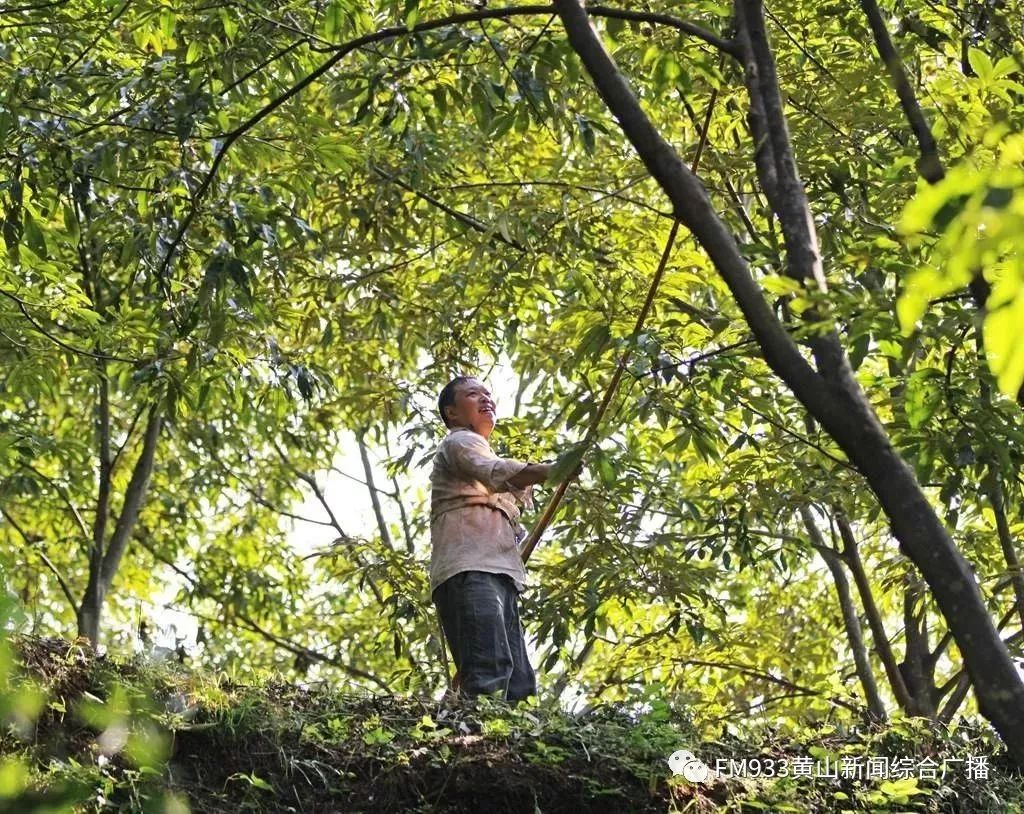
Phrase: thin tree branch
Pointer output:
(35, 7)
(62, 492)
(30, 543)
(312, 655)
(796, 436)
(851, 554)
(250, 624)
(960, 677)
(127, 437)
(23, 307)
(730, 189)
(257, 496)
(726, 46)
(752, 673)
(397, 498)
(392, 32)
(692, 361)
(362, 482)
(410, 546)
(940, 647)
(917, 674)
(564, 185)
(310, 481)
(382, 526)
(790, 199)
(104, 29)
(929, 164)
(461, 217)
(283, 52)
(956, 699)
(994, 492)
(91, 601)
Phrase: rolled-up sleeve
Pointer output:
(472, 456)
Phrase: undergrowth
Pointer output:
(95, 734)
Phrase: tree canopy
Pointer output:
(243, 240)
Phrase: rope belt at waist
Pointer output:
(463, 502)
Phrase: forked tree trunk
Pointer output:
(851, 621)
(830, 392)
(851, 556)
(106, 554)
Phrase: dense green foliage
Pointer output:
(141, 737)
(244, 248)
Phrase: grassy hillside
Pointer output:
(95, 734)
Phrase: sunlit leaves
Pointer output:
(922, 396)
(977, 212)
(460, 200)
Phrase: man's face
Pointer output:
(474, 407)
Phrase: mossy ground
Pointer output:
(134, 737)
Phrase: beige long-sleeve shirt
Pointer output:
(474, 511)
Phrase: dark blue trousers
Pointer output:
(480, 617)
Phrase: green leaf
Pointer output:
(1004, 344)
(412, 13)
(334, 19)
(168, 22)
(998, 197)
(605, 469)
(14, 776)
(582, 408)
(859, 350)
(70, 223)
(781, 285)
(253, 780)
(922, 396)
(195, 50)
(922, 286)
(567, 462)
(594, 341)
(981, 64)
(935, 206)
(34, 238)
(228, 23)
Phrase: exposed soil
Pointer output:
(275, 748)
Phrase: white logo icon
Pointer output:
(689, 766)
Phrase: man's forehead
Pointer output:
(471, 384)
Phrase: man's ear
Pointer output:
(448, 411)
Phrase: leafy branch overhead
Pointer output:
(243, 249)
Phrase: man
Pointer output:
(476, 572)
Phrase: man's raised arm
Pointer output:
(529, 475)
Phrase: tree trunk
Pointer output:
(854, 634)
(89, 610)
(994, 492)
(851, 555)
(831, 393)
(103, 568)
(917, 668)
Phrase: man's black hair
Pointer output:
(447, 397)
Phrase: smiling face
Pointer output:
(473, 408)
